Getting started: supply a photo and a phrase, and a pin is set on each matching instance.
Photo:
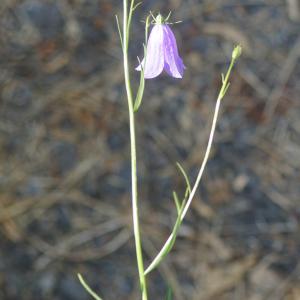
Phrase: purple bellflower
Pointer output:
(162, 53)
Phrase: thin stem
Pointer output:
(87, 288)
(170, 241)
(225, 85)
(135, 212)
(206, 156)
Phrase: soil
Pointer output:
(65, 152)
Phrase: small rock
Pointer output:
(240, 182)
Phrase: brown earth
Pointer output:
(65, 162)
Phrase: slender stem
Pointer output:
(170, 241)
(135, 212)
(172, 236)
(225, 85)
(206, 156)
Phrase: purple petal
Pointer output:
(155, 53)
(173, 64)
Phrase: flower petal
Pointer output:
(173, 63)
(155, 53)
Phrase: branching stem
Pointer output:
(134, 197)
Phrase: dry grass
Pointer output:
(64, 170)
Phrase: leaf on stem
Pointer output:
(87, 288)
(177, 203)
(131, 9)
(119, 30)
(167, 246)
(185, 176)
(140, 92)
(236, 53)
(172, 238)
(189, 196)
(136, 6)
(180, 207)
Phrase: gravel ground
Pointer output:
(65, 157)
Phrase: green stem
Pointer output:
(224, 88)
(135, 212)
(183, 211)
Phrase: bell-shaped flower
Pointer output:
(162, 53)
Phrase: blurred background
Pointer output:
(65, 157)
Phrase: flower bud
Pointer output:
(237, 52)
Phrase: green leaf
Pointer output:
(185, 177)
(136, 6)
(177, 203)
(87, 288)
(184, 206)
(226, 87)
(140, 92)
(167, 247)
(223, 78)
(169, 294)
(119, 30)
(131, 9)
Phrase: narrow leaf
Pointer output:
(140, 92)
(186, 194)
(131, 9)
(167, 247)
(185, 176)
(177, 203)
(119, 30)
(147, 24)
(186, 202)
(87, 288)
(136, 6)
(225, 89)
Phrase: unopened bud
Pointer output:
(237, 52)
